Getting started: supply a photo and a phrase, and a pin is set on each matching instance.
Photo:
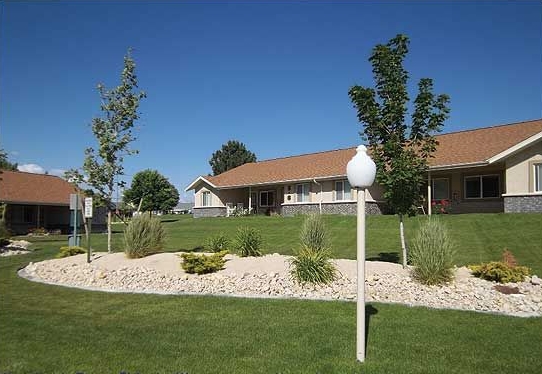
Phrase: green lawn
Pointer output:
(479, 237)
(50, 329)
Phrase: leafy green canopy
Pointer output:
(113, 133)
(153, 190)
(400, 150)
(5, 164)
(231, 155)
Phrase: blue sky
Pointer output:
(273, 75)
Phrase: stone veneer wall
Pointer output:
(209, 212)
(523, 204)
(335, 208)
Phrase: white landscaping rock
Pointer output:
(268, 276)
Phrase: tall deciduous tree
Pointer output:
(153, 190)
(113, 132)
(400, 150)
(5, 164)
(231, 155)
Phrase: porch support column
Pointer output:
(38, 220)
(429, 193)
(249, 199)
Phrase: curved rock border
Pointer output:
(382, 285)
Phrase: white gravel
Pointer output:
(268, 276)
(15, 247)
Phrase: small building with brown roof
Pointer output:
(35, 201)
(492, 169)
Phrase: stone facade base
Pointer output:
(523, 204)
(209, 212)
(335, 208)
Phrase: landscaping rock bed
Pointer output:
(268, 276)
(15, 247)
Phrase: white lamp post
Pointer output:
(361, 171)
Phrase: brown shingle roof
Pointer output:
(463, 147)
(480, 145)
(21, 187)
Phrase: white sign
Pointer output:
(88, 207)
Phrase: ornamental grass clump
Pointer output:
(143, 235)
(217, 243)
(431, 253)
(248, 242)
(311, 264)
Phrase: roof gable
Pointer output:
(457, 149)
(29, 188)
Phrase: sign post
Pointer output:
(74, 207)
(88, 215)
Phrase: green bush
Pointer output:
(431, 253)
(4, 233)
(499, 271)
(70, 251)
(143, 235)
(314, 233)
(248, 242)
(311, 263)
(217, 243)
(203, 264)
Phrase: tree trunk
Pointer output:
(403, 243)
(109, 230)
(139, 207)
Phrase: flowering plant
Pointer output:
(441, 206)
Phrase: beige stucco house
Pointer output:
(493, 169)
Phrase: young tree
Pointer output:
(400, 150)
(153, 190)
(5, 164)
(113, 132)
(231, 155)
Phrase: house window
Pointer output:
(538, 177)
(343, 190)
(302, 191)
(441, 189)
(206, 198)
(482, 187)
(28, 214)
(267, 198)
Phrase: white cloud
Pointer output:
(31, 168)
(57, 172)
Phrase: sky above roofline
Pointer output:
(274, 76)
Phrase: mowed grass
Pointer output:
(50, 329)
(479, 237)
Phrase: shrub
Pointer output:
(248, 242)
(499, 271)
(203, 264)
(314, 234)
(217, 243)
(70, 251)
(4, 233)
(37, 231)
(310, 266)
(143, 235)
(431, 253)
(311, 263)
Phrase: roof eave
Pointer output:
(192, 185)
(284, 181)
(516, 148)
